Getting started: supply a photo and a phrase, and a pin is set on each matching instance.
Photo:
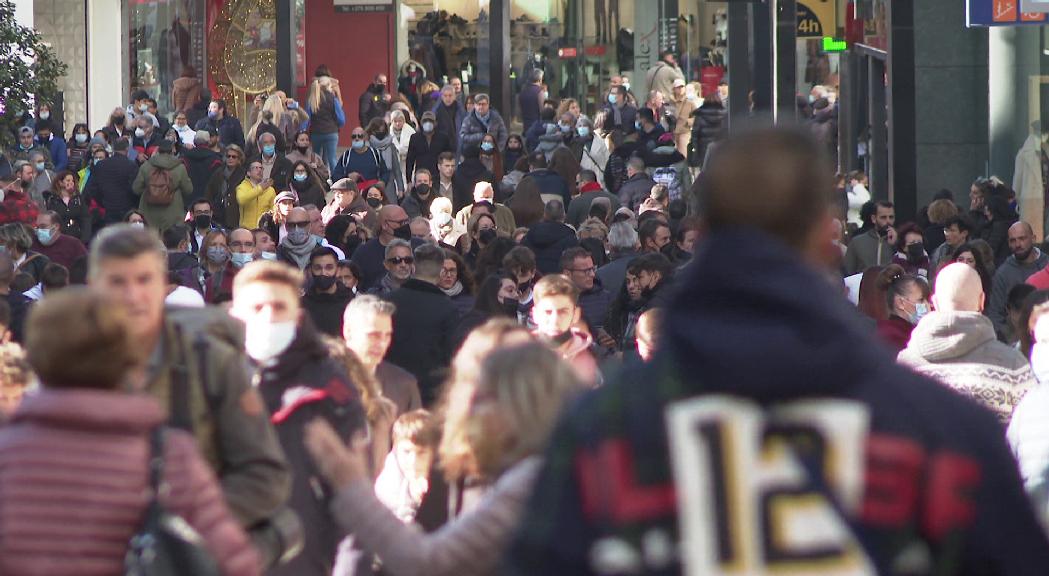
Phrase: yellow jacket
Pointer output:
(254, 201)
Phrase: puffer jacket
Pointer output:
(97, 444)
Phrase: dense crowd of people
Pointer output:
(471, 345)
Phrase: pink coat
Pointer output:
(73, 486)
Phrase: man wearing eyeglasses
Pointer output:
(399, 263)
(578, 265)
(360, 158)
(371, 256)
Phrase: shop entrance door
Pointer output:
(863, 129)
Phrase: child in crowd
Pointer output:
(402, 483)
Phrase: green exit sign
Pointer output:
(834, 45)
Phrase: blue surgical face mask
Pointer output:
(300, 177)
(268, 149)
(358, 144)
(487, 146)
(583, 131)
(213, 114)
(565, 128)
(218, 254)
(40, 166)
(143, 107)
(80, 138)
(920, 310)
(44, 235)
(241, 259)
(298, 236)
(611, 98)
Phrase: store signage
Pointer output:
(1006, 12)
(364, 5)
(1034, 6)
(831, 44)
(817, 18)
(567, 52)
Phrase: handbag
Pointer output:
(165, 544)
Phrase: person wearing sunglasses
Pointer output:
(362, 159)
(297, 244)
(399, 264)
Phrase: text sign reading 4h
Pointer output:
(817, 18)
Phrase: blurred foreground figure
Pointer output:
(770, 433)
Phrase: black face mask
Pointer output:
(403, 232)
(374, 202)
(323, 283)
(562, 337)
(119, 121)
(351, 244)
(202, 221)
(668, 250)
(510, 306)
(422, 190)
(302, 149)
(915, 252)
(486, 236)
(380, 135)
(378, 88)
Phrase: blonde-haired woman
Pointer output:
(520, 391)
(268, 119)
(401, 132)
(324, 105)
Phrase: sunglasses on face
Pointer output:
(357, 136)
(398, 261)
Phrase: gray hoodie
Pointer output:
(1009, 274)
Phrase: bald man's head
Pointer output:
(958, 289)
(1021, 241)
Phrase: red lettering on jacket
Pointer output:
(609, 487)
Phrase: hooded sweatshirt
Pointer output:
(752, 329)
(548, 240)
(961, 350)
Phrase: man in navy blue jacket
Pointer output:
(772, 434)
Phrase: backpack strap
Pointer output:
(181, 416)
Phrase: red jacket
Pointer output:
(73, 486)
(17, 207)
(895, 332)
(1040, 279)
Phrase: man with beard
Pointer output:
(1025, 260)
(647, 279)
(873, 247)
(399, 265)
(298, 382)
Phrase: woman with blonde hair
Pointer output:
(269, 119)
(519, 392)
(324, 105)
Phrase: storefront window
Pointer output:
(242, 52)
(165, 38)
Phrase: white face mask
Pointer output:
(267, 340)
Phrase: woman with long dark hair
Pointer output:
(497, 297)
